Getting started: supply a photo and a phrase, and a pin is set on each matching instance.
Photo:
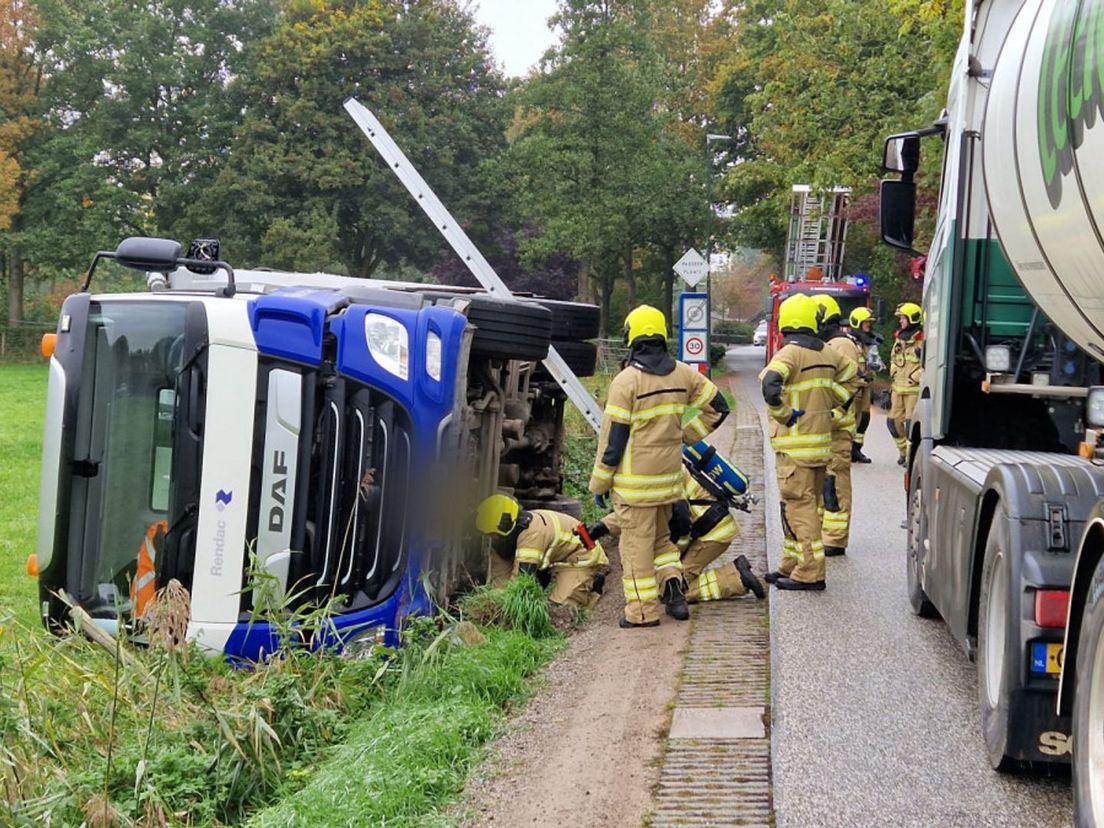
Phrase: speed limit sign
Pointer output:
(693, 347)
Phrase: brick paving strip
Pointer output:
(716, 768)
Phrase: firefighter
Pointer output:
(543, 541)
(802, 385)
(639, 462)
(861, 323)
(836, 500)
(703, 529)
(906, 366)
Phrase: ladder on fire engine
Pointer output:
(448, 227)
(817, 233)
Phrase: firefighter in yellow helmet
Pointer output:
(802, 385)
(703, 529)
(836, 500)
(906, 366)
(639, 462)
(544, 541)
(861, 330)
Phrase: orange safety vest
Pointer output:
(144, 585)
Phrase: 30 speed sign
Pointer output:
(693, 347)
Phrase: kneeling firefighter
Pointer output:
(702, 527)
(542, 540)
(836, 500)
(906, 367)
(639, 462)
(802, 385)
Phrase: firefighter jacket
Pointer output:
(906, 363)
(805, 375)
(550, 542)
(843, 417)
(710, 520)
(639, 454)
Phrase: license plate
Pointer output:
(1046, 658)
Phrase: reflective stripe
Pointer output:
(841, 392)
(809, 385)
(597, 557)
(776, 411)
(640, 589)
(779, 368)
(906, 389)
(644, 414)
(668, 559)
(530, 555)
(806, 453)
(848, 372)
(616, 412)
(836, 520)
(646, 494)
(790, 549)
(708, 588)
(669, 477)
(698, 427)
(602, 472)
(708, 392)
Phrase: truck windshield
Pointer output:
(123, 486)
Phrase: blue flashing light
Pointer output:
(861, 280)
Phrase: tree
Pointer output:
(740, 288)
(306, 189)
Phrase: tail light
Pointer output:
(1051, 607)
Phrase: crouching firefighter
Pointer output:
(836, 499)
(639, 462)
(905, 370)
(802, 384)
(703, 529)
(544, 541)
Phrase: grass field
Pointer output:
(22, 403)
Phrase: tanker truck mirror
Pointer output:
(902, 154)
(897, 212)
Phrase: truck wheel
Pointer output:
(996, 645)
(573, 320)
(917, 537)
(508, 329)
(1088, 710)
(581, 357)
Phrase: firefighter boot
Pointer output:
(599, 583)
(834, 551)
(857, 455)
(674, 597)
(626, 624)
(773, 576)
(790, 583)
(752, 583)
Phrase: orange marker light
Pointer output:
(47, 345)
(32, 565)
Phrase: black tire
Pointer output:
(573, 320)
(581, 357)
(508, 329)
(917, 537)
(997, 645)
(1088, 710)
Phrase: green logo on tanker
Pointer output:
(1071, 87)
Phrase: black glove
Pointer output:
(598, 530)
(831, 499)
(679, 524)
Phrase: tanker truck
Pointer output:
(1005, 482)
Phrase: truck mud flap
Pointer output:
(1039, 734)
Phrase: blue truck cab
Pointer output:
(278, 441)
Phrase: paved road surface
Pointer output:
(875, 710)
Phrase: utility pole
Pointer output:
(710, 137)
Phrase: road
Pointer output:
(875, 710)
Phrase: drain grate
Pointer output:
(719, 781)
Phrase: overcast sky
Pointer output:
(519, 31)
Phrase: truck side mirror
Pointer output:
(897, 213)
(902, 154)
(148, 254)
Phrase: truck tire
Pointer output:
(508, 329)
(573, 320)
(1088, 710)
(996, 650)
(581, 357)
(917, 537)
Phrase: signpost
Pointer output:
(694, 330)
(692, 267)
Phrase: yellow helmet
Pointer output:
(496, 515)
(858, 316)
(798, 312)
(829, 306)
(911, 311)
(644, 320)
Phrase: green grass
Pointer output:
(22, 405)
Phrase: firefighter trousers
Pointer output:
(649, 558)
(900, 413)
(862, 413)
(572, 586)
(836, 526)
(801, 488)
(713, 584)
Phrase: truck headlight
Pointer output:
(1094, 407)
(998, 359)
(388, 343)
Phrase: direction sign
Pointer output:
(691, 267)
